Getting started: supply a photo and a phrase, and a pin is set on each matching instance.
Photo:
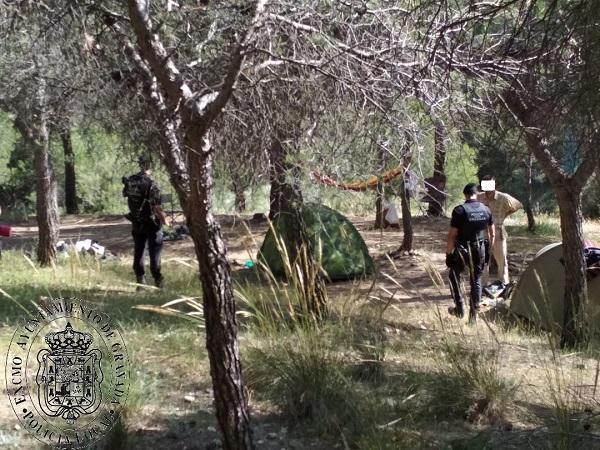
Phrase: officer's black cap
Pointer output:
(470, 189)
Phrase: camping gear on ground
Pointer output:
(337, 245)
(258, 218)
(390, 215)
(176, 233)
(592, 259)
(494, 290)
(89, 246)
(5, 230)
(539, 293)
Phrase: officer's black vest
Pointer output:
(478, 217)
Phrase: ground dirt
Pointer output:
(243, 239)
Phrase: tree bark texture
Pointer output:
(240, 198)
(529, 203)
(300, 251)
(276, 177)
(575, 326)
(379, 216)
(231, 402)
(33, 126)
(70, 176)
(46, 201)
(438, 197)
(407, 229)
(380, 222)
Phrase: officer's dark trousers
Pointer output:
(154, 240)
(472, 258)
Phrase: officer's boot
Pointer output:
(158, 282)
(140, 280)
(457, 311)
(473, 316)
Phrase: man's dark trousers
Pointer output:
(154, 238)
(472, 257)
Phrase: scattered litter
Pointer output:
(89, 246)
(249, 264)
(493, 290)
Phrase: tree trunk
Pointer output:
(379, 216)
(35, 133)
(70, 177)
(568, 191)
(438, 198)
(380, 192)
(46, 202)
(288, 200)
(240, 197)
(407, 240)
(276, 176)
(529, 204)
(186, 113)
(530, 217)
(231, 400)
(575, 331)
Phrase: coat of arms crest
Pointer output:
(69, 375)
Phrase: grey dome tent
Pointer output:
(538, 295)
(338, 246)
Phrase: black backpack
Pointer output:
(137, 190)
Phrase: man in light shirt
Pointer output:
(501, 205)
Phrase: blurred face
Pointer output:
(489, 187)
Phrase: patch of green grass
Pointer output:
(545, 226)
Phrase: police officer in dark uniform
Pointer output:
(147, 218)
(467, 248)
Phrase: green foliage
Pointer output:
(461, 169)
(17, 181)
(503, 154)
(591, 198)
(101, 160)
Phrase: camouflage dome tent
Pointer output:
(538, 295)
(338, 246)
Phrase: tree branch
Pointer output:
(203, 110)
